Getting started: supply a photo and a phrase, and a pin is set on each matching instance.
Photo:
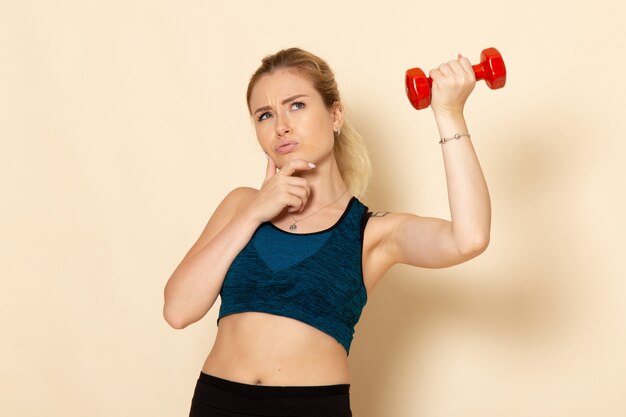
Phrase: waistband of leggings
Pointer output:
(270, 391)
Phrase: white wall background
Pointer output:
(123, 124)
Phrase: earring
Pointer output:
(338, 131)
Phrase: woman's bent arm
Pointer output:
(438, 243)
(194, 286)
(468, 195)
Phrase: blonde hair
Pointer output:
(349, 148)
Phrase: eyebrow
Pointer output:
(285, 101)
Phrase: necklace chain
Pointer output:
(294, 226)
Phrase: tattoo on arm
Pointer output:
(379, 214)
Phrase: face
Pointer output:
(291, 119)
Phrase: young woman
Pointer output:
(295, 261)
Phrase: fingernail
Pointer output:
(311, 165)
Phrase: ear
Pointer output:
(336, 114)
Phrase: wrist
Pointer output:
(247, 218)
(450, 125)
(449, 115)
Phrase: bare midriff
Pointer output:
(264, 349)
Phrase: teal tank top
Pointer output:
(315, 278)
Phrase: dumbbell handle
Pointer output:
(480, 71)
(491, 69)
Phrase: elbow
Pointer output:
(475, 246)
(174, 320)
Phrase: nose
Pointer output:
(282, 125)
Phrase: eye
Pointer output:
(297, 105)
(264, 116)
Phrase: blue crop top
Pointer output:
(314, 277)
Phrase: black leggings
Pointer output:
(217, 397)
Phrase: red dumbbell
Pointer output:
(491, 69)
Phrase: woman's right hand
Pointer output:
(280, 190)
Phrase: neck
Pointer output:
(325, 183)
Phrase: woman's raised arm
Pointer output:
(436, 243)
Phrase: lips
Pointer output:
(286, 147)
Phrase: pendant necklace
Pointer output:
(294, 226)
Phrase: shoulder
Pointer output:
(380, 225)
(230, 205)
(239, 197)
(382, 232)
(378, 249)
(233, 201)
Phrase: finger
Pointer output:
(463, 70)
(435, 74)
(298, 181)
(456, 68)
(467, 65)
(445, 69)
(270, 171)
(302, 195)
(295, 165)
(298, 188)
(294, 203)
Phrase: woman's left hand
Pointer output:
(452, 84)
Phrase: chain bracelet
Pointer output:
(456, 136)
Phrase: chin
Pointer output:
(289, 156)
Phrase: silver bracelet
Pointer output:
(456, 136)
